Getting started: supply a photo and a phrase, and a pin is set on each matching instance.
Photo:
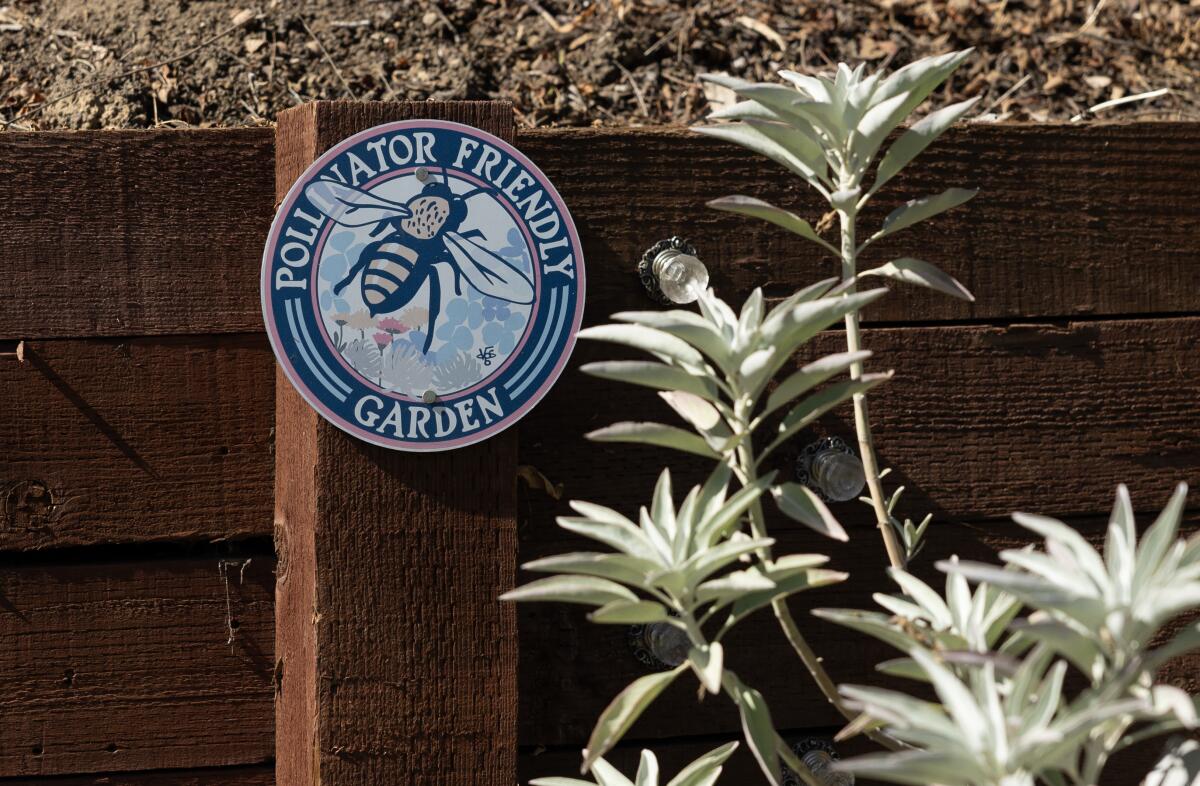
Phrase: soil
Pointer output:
(115, 63)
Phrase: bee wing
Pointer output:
(352, 207)
(488, 272)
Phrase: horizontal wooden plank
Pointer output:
(1071, 219)
(260, 775)
(136, 666)
(158, 232)
(133, 232)
(978, 422)
(570, 669)
(108, 441)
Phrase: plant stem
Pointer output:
(862, 420)
(758, 528)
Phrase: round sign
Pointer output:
(422, 285)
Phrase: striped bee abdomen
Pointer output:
(390, 266)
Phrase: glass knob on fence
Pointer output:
(830, 468)
(659, 645)
(818, 755)
(672, 273)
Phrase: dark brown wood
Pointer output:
(116, 441)
(156, 232)
(262, 775)
(398, 663)
(1070, 220)
(133, 232)
(132, 666)
(571, 669)
(978, 422)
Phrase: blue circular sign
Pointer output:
(422, 285)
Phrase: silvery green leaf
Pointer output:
(621, 713)
(709, 664)
(902, 667)
(821, 402)
(587, 590)
(731, 586)
(916, 210)
(704, 563)
(914, 141)
(936, 609)
(792, 563)
(786, 585)
(702, 415)
(712, 496)
(1171, 700)
(554, 781)
(686, 326)
(756, 208)
(876, 124)
(921, 273)
(919, 78)
(1179, 766)
(1054, 571)
(657, 342)
(625, 612)
(814, 87)
(789, 329)
(654, 434)
(1161, 535)
(903, 712)
(872, 623)
(608, 775)
(801, 503)
(1028, 676)
(797, 141)
(704, 770)
(1083, 653)
(1039, 715)
(621, 568)
(647, 774)
(958, 701)
(811, 375)
(653, 375)
(900, 607)
(751, 316)
(719, 523)
(752, 139)
(757, 727)
(918, 768)
(743, 110)
(609, 527)
(808, 293)
(1083, 553)
(662, 508)
(962, 606)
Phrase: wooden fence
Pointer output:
(137, 417)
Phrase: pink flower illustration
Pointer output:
(382, 339)
(392, 326)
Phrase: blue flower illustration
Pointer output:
(457, 336)
(495, 309)
(475, 315)
(515, 251)
(330, 303)
(455, 312)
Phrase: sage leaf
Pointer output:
(624, 612)
(810, 376)
(653, 375)
(801, 503)
(658, 343)
(914, 141)
(921, 273)
(757, 727)
(588, 590)
(917, 210)
(705, 770)
(709, 664)
(757, 208)
(654, 434)
(626, 708)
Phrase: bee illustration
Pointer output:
(400, 259)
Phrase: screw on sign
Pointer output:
(422, 285)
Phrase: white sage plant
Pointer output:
(704, 564)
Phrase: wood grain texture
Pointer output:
(399, 664)
(133, 232)
(132, 666)
(157, 232)
(1070, 219)
(116, 441)
(261, 775)
(571, 668)
(978, 422)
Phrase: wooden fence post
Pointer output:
(396, 664)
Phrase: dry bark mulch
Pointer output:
(117, 63)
